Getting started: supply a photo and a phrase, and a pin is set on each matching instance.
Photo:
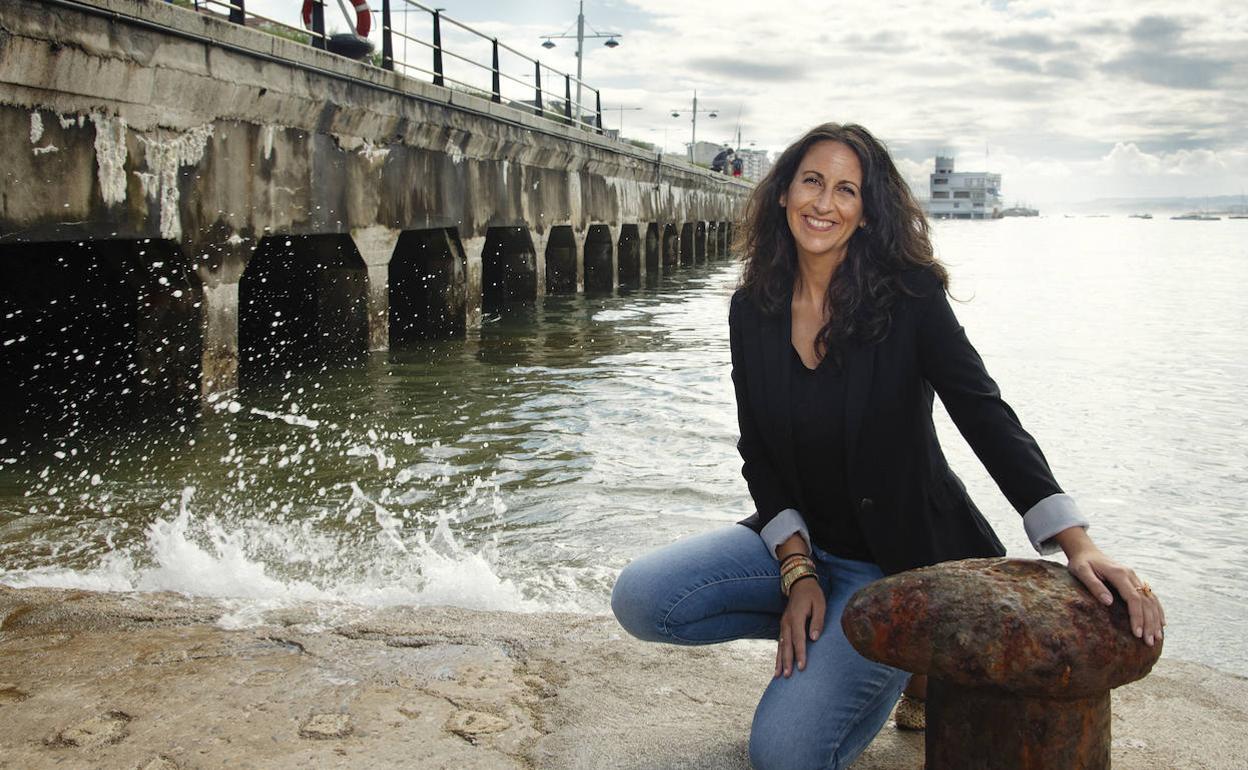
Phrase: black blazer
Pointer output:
(912, 509)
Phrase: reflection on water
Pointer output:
(522, 467)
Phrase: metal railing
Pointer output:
(452, 57)
(237, 11)
(450, 65)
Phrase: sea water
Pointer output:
(521, 467)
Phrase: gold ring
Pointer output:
(1145, 589)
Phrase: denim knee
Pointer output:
(636, 604)
(780, 749)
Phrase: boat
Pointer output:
(1019, 211)
(1145, 215)
(1196, 216)
(1242, 212)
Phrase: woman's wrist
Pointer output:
(794, 568)
(794, 545)
(1074, 541)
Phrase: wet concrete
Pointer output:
(156, 681)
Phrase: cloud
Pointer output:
(917, 175)
(1017, 64)
(884, 41)
(1156, 31)
(1170, 70)
(1064, 68)
(1129, 160)
(1034, 42)
(747, 70)
(1096, 29)
(1053, 86)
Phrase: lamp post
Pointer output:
(664, 130)
(621, 109)
(580, 37)
(693, 139)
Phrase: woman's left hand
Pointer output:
(1094, 569)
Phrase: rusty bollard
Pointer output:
(1020, 659)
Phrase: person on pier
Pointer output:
(841, 333)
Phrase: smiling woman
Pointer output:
(823, 203)
(840, 335)
(840, 199)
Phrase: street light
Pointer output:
(693, 139)
(621, 108)
(580, 47)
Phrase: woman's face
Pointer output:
(823, 204)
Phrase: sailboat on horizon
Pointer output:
(1243, 209)
(1199, 216)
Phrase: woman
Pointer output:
(840, 334)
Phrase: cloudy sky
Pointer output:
(1070, 100)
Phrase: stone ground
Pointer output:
(153, 681)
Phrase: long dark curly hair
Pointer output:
(864, 288)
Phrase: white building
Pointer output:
(963, 194)
(705, 152)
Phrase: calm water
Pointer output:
(522, 468)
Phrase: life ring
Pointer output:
(363, 16)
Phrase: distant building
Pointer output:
(705, 152)
(963, 194)
(757, 164)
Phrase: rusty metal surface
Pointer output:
(985, 730)
(1022, 626)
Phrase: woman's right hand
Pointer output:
(806, 608)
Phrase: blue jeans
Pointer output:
(724, 585)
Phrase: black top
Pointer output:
(817, 402)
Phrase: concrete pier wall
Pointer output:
(375, 208)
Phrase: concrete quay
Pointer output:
(158, 681)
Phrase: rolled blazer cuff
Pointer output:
(782, 527)
(1050, 516)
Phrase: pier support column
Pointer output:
(540, 241)
(712, 241)
(376, 246)
(219, 265)
(615, 255)
(581, 236)
(699, 243)
(471, 250)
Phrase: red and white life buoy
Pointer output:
(363, 16)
